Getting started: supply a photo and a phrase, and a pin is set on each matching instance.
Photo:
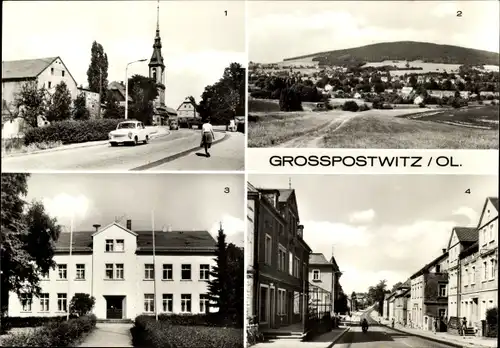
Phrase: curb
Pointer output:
(176, 156)
(451, 344)
(339, 336)
(79, 146)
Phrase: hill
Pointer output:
(405, 50)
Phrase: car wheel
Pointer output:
(146, 139)
(135, 140)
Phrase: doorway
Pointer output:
(114, 307)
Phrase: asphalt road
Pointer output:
(382, 337)
(150, 156)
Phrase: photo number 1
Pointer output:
(225, 12)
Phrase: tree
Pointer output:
(27, 239)
(290, 100)
(98, 66)
(236, 279)
(354, 301)
(377, 293)
(80, 111)
(396, 286)
(143, 91)
(60, 107)
(379, 87)
(113, 109)
(31, 102)
(81, 304)
(218, 290)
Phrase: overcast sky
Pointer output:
(383, 226)
(282, 29)
(183, 201)
(198, 39)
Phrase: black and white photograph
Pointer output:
(122, 260)
(373, 74)
(361, 261)
(123, 85)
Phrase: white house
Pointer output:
(92, 100)
(186, 109)
(115, 265)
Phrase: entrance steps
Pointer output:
(470, 331)
(115, 321)
(284, 335)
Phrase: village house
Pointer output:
(429, 298)
(92, 101)
(324, 288)
(279, 269)
(115, 265)
(117, 90)
(401, 296)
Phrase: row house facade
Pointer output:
(115, 265)
(428, 294)
(277, 276)
(475, 277)
(324, 279)
(401, 297)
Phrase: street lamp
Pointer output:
(126, 85)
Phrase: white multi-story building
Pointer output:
(115, 265)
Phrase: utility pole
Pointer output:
(154, 264)
(100, 93)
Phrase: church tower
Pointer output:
(157, 71)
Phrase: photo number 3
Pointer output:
(226, 190)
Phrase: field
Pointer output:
(390, 129)
(481, 117)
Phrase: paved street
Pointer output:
(109, 335)
(105, 157)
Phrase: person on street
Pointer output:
(464, 325)
(392, 322)
(364, 323)
(232, 125)
(207, 136)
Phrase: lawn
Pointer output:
(485, 117)
(271, 129)
(382, 132)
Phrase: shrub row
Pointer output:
(10, 322)
(72, 132)
(163, 333)
(53, 334)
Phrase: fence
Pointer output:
(319, 319)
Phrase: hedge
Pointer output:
(10, 322)
(53, 334)
(72, 132)
(164, 333)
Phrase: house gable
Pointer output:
(453, 239)
(64, 65)
(490, 205)
(117, 225)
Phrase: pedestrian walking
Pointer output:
(207, 136)
(435, 325)
(464, 325)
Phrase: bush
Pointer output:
(364, 107)
(53, 334)
(148, 332)
(350, 106)
(81, 304)
(11, 322)
(72, 132)
(262, 94)
(421, 105)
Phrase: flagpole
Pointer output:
(154, 263)
(69, 265)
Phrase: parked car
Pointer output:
(129, 132)
(319, 107)
(173, 123)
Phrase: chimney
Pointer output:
(129, 225)
(164, 229)
(444, 251)
(169, 229)
(96, 226)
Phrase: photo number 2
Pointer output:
(459, 13)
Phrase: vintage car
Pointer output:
(129, 132)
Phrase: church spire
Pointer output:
(158, 18)
(157, 58)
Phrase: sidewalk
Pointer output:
(109, 335)
(327, 340)
(458, 341)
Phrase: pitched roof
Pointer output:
(26, 68)
(494, 201)
(164, 241)
(470, 250)
(251, 188)
(466, 234)
(117, 86)
(285, 194)
(429, 265)
(318, 259)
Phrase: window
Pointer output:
(316, 274)
(109, 245)
(80, 271)
(109, 271)
(52, 71)
(296, 303)
(44, 276)
(62, 302)
(44, 302)
(268, 249)
(149, 303)
(149, 271)
(186, 303)
(290, 263)
(466, 277)
(167, 272)
(492, 269)
(186, 272)
(473, 280)
(485, 274)
(204, 303)
(62, 271)
(281, 301)
(119, 271)
(120, 245)
(26, 301)
(491, 233)
(204, 272)
(50, 84)
(442, 290)
(438, 268)
(297, 267)
(263, 304)
(281, 258)
(63, 73)
(168, 302)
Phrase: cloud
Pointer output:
(64, 206)
(364, 216)
(445, 9)
(470, 213)
(233, 228)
